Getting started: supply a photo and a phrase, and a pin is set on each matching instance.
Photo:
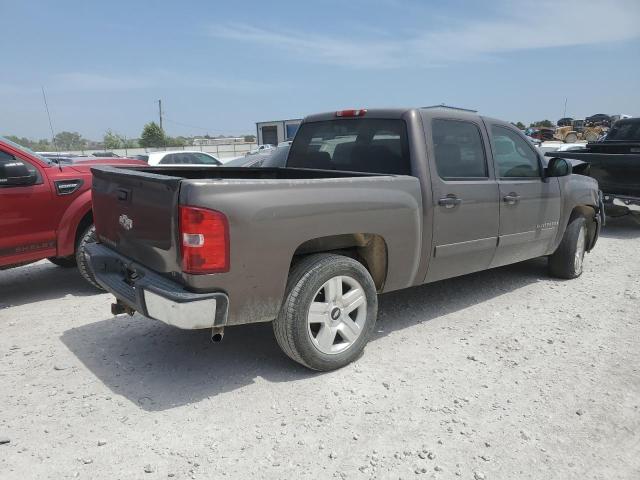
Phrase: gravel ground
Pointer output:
(502, 374)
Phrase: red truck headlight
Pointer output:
(204, 240)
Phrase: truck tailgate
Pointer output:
(135, 214)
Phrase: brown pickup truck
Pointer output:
(370, 201)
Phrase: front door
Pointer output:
(529, 203)
(270, 135)
(27, 227)
(465, 195)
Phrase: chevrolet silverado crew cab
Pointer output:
(370, 201)
(45, 208)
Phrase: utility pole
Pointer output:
(160, 112)
(563, 115)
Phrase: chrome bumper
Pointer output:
(153, 295)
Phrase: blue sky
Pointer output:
(221, 66)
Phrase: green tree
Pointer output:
(152, 136)
(25, 142)
(70, 141)
(519, 125)
(112, 140)
(249, 138)
(176, 141)
(542, 123)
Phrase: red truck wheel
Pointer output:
(88, 236)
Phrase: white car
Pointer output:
(179, 158)
(261, 149)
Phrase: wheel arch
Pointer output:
(588, 212)
(73, 222)
(367, 248)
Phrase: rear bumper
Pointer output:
(153, 295)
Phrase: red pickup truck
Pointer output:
(45, 208)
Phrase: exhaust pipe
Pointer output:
(217, 334)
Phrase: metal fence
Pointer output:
(229, 150)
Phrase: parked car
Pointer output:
(260, 149)
(274, 157)
(105, 154)
(565, 122)
(370, 201)
(540, 133)
(601, 119)
(45, 208)
(179, 157)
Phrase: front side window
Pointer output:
(358, 145)
(459, 151)
(513, 155)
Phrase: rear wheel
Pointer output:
(88, 236)
(329, 312)
(567, 261)
(571, 138)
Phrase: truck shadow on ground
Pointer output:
(159, 367)
(41, 281)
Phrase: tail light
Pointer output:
(204, 238)
(351, 113)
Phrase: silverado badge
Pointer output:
(125, 221)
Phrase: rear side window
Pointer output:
(514, 156)
(357, 145)
(458, 149)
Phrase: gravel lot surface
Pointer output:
(503, 374)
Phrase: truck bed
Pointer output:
(272, 213)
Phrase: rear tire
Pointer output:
(88, 236)
(64, 262)
(329, 312)
(571, 138)
(568, 259)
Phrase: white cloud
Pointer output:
(521, 26)
(165, 79)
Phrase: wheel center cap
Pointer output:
(335, 313)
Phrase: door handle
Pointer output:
(450, 201)
(511, 198)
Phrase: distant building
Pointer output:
(277, 131)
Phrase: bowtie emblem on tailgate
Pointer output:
(125, 221)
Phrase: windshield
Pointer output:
(628, 131)
(28, 150)
(356, 145)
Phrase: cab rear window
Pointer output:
(356, 145)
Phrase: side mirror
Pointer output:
(16, 174)
(558, 167)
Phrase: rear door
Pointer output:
(465, 195)
(529, 203)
